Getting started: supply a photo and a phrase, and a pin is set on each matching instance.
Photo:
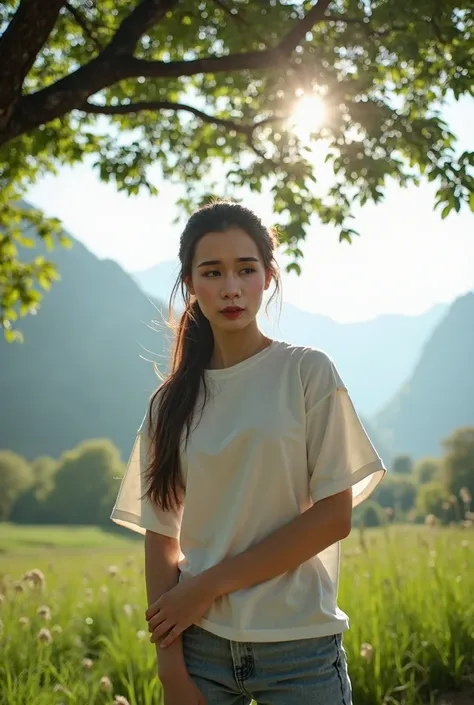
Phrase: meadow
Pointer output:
(72, 626)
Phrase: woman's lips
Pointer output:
(232, 313)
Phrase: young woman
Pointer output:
(243, 478)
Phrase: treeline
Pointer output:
(431, 490)
(80, 487)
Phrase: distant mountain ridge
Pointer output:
(439, 395)
(375, 357)
(80, 372)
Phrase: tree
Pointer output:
(426, 470)
(402, 465)
(15, 478)
(396, 492)
(86, 483)
(183, 85)
(433, 499)
(30, 507)
(458, 463)
(371, 514)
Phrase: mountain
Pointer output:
(439, 395)
(375, 357)
(80, 372)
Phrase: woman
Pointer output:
(243, 479)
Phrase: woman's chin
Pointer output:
(228, 324)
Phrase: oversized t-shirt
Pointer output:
(278, 433)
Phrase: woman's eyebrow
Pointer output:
(210, 262)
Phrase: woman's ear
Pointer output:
(268, 278)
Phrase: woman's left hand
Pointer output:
(176, 610)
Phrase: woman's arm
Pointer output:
(161, 574)
(327, 522)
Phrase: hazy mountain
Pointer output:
(79, 373)
(439, 395)
(375, 357)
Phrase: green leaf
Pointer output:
(446, 210)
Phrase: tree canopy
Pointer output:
(184, 84)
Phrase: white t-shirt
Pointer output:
(278, 433)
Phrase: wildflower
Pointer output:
(141, 634)
(56, 629)
(89, 592)
(105, 684)
(465, 543)
(23, 621)
(367, 652)
(87, 664)
(112, 570)
(89, 621)
(128, 610)
(35, 578)
(104, 590)
(58, 688)
(120, 700)
(44, 612)
(44, 635)
(18, 587)
(430, 520)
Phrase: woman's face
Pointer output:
(228, 273)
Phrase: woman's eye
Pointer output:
(215, 272)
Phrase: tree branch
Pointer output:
(84, 25)
(366, 25)
(29, 29)
(239, 19)
(145, 15)
(155, 105)
(301, 29)
(116, 63)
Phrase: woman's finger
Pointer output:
(161, 630)
(152, 610)
(156, 620)
(172, 636)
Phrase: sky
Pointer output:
(405, 261)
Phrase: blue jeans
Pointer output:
(312, 671)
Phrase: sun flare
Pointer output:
(308, 115)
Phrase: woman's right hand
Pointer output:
(182, 691)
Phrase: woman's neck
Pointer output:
(232, 348)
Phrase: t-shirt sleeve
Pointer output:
(340, 453)
(132, 509)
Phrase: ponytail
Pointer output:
(172, 405)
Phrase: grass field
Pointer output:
(80, 638)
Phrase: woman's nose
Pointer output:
(231, 288)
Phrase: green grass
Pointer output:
(408, 592)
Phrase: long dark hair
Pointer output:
(172, 405)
